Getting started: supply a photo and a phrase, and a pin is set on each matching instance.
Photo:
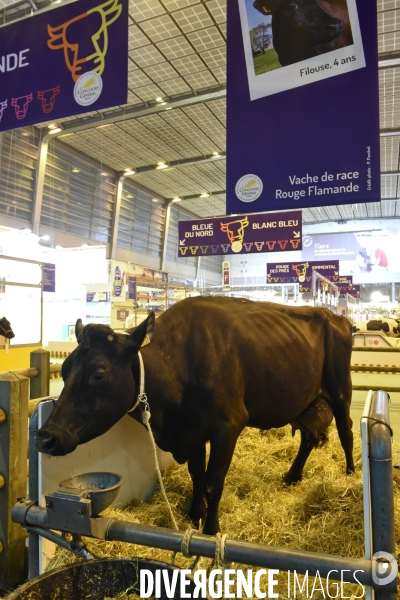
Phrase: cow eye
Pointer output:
(98, 376)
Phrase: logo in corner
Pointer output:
(384, 568)
(249, 188)
(88, 88)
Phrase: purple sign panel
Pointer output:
(63, 62)
(241, 234)
(346, 286)
(302, 105)
(131, 285)
(301, 272)
(49, 277)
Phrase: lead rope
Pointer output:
(146, 415)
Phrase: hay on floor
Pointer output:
(322, 513)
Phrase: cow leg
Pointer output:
(344, 425)
(222, 447)
(296, 470)
(197, 469)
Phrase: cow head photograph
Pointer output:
(284, 32)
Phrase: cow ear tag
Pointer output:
(146, 341)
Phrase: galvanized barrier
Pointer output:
(379, 490)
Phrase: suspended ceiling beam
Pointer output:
(134, 112)
(184, 162)
(197, 196)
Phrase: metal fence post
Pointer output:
(381, 484)
(40, 385)
(14, 392)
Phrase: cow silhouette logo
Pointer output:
(88, 88)
(48, 98)
(84, 39)
(3, 106)
(21, 105)
(301, 271)
(249, 188)
(235, 232)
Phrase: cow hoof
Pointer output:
(291, 479)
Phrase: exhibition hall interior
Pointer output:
(109, 215)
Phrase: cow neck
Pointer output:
(142, 380)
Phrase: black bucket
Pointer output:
(94, 580)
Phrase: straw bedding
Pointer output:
(322, 513)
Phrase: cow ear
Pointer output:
(78, 328)
(143, 333)
(265, 7)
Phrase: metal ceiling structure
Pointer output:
(176, 107)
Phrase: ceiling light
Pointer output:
(161, 165)
(154, 200)
(169, 108)
(25, 133)
(205, 195)
(128, 172)
(376, 296)
(163, 103)
(44, 237)
(129, 196)
(159, 99)
(103, 174)
(75, 170)
(215, 153)
(177, 199)
(55, 130)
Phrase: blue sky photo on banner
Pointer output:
(63, 62)
(302, 104)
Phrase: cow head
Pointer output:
(84, 39)
(21, 105)
(235, 232)
(301, 271)
(99, 387)
(48, 98)
(5, 329)
(299, 28)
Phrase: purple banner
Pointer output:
(301, 272)
(131, 285)
(63, 62)
(244, 234)
(302, 104)
(49, 277)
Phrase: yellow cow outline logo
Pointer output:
(109, 12)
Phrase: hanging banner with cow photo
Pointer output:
(302, 104)
(244, 234)
(63, 62)
(301, 272)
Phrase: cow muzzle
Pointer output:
(55, 445)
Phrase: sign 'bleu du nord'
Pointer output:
(63, 62)
(303, 105)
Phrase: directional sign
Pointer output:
(241, 234)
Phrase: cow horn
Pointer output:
(78, 328)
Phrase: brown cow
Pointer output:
(213, 367)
